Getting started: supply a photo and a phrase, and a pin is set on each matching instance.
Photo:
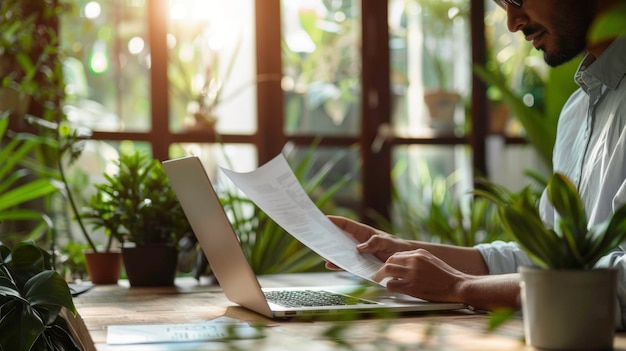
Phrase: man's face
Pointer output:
(556, 27)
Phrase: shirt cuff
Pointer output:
(503, 257)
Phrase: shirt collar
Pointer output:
(609, 69)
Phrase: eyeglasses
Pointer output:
(505, 3)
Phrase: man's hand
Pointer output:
(376, 242)
(421, 274)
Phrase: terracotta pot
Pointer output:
(569, 309)
(498, 118)
(104, 267)
(441, 107)
(151, 265)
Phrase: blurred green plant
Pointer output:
(610, 24)
(570, 244)
(18, 185)
(433, 210)
(539, 126)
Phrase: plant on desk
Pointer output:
(137, 207)
(32, 296)
(567, 303)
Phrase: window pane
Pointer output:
(212, 65)
(237, 157)
(520, 66)
(430, 65)
(423, 175)
(321, 66)
(507, 164)
(329, 170)
(106, 69)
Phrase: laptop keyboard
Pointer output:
(312, 298)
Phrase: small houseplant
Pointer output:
(568, 304)
(137, 207)
(32, 298)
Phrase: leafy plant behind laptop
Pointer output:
(268, 247)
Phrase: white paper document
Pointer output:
(275, 189)
(218, 329)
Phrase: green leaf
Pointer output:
(498, 317)
(564, 196)
(48, 289)
(540, 131)
(20, 325)
(610, 25)
(7, 288)
(26, 192)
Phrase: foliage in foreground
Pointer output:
(570, 244)
(32, 296)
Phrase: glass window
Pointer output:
(237, 157)
(321, 66)
(107, 64)
(507, 164)
(328, 170)
(212, 79)
(514, 60)
(423, 175)
(430, 65)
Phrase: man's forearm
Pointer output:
(465, 259)
(489, 292)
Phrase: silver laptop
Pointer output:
(231, 268)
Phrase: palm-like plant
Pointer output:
(571, 244)
(16, 187)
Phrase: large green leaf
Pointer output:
(610, 25)
(540, 131)
(564, 197)
(48, 288)
(7, 288)
(27, 192)
(20, 326)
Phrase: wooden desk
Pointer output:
(193, 302)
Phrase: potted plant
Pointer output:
(32, 299)
(567, 303)
(137, 206)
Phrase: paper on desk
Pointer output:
(218, 329)
(276, 190)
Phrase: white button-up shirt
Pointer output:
(590, 149)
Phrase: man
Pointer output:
(590, 149)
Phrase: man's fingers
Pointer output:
(393, 271)
(332, 266)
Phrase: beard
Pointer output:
(569, 30)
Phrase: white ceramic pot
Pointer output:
(569, 309)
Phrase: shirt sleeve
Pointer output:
(503, 257)
(617, 260)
